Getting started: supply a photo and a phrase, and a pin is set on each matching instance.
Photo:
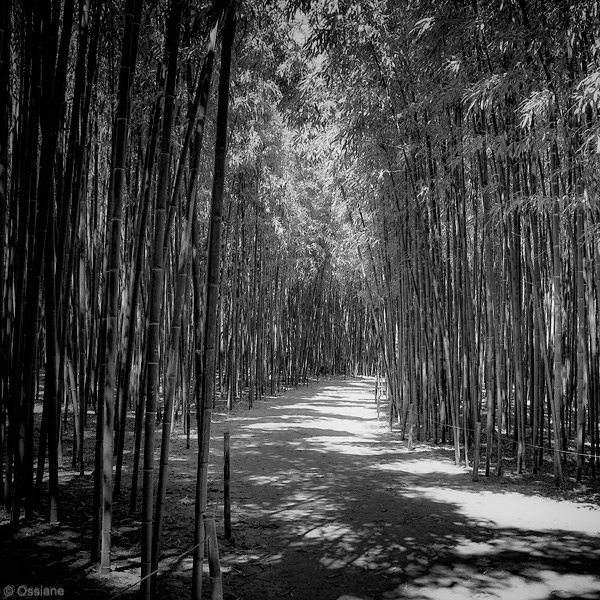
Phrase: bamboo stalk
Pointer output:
(227, 484)
(214, 563)
(212, 283)
(477, 451)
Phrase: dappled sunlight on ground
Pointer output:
(448, 584)
(334, 503)
(512, 509)
(421, 466)
(344, 445)
(327, 503)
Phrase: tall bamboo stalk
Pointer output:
(157, 277)
(205, 398)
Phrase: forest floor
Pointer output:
(327, 503)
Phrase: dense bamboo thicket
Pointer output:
(166, 245)
(195, 211)
(468, 157)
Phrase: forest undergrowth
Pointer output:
(327, 501)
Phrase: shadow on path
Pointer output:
(327, 502)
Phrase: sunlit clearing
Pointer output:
(338, 425)
(346, 445)
(347, 409)
(421, 466)
(515, 510)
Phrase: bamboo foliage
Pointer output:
(484, 163)
(409, 194)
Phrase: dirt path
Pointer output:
(327, 503)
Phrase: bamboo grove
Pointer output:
(207, 202)
(152, 259)
(468, 157)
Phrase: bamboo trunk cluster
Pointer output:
(477, 238)
(426, 214)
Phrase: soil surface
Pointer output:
(328, 504)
